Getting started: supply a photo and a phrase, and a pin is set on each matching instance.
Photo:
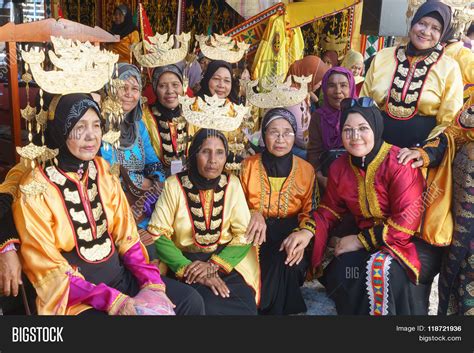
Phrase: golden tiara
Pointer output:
(79, 67)
(213, 112)
(275, 94)
(222, 47)
(159, 51)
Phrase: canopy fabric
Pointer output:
(302, 13)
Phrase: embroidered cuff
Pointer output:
(361, 238)
(9, 243)
(223, 264)
(308, 225)
(117, 304)
(155, 286)
(159, 231)
(424, 157)
(180, 273)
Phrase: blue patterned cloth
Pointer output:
(139, 159)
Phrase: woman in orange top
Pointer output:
(124, 27)
(281, 191)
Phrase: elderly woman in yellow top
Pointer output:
(200, 221)
(79, 243)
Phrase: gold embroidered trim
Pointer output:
(194, 198)
(84, 234)
(403, 258)
(291, 183)
(117, 304)
(218, 196)
(424, 156)
(200, 225)
(207, 238)
(78, 216)
(373, 238)
(227, 267)
(400, 228)
(374, 205)
(197, 211)
(186, 182)
(216, 211)
(361, 238)
(158, 286)
(9, 241)
(335, 214)
(159, 231)
(363, 203)
(180, 273)
(72, 196)
(98, 251)
(262, 185)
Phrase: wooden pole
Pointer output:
(14, 98)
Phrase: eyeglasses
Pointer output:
(363, 102)
(275, 135)
(355, 133)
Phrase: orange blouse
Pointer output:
(298, 195)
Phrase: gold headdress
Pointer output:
(222, 47)
(276, 94)
(79, 68)
(160, 52)
(213, 112)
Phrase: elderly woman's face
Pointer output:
(84, 140)
(357, 69)
(337, 89)
(221, 83)
(211, 158)
(425, 33)
(279, 137)
(118, 17)
(168, 89)
(357, 135)
(129, 94)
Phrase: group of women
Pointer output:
(376, 237)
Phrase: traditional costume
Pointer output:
(284, 191)
(128, 33)
(392, 275)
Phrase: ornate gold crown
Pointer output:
(222, 47)
(276, 94)
(213, 112)
(80, 67)
(160, 52)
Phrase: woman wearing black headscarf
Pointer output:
(200, 222)
(218, 79)
(281, 192)
(79, 246)
(383, 267)
(419, 89)
(124, 27)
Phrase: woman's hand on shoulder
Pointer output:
(405, 155)
(257, 229)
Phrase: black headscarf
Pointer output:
(197, 179)
(375, 120)
(211, 70)
(127, 26)
(166, 113)
(277, 167)
(434, 9)
(69, 110)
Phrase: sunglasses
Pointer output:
(363, 102)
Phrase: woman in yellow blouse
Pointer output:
(79, 243)
(200, 221)
(420, 90)
(124, 27)
(281, 191)
(417, 86)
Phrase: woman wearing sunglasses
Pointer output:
(381, 268)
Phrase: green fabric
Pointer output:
(170, 254)
(233, 254)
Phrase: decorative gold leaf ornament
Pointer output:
(222, 47)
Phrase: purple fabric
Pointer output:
(100, 297)
(330, 117)
(135, 262)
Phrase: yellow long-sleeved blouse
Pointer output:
(171, 218)
(442, 92)
(45, 231)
